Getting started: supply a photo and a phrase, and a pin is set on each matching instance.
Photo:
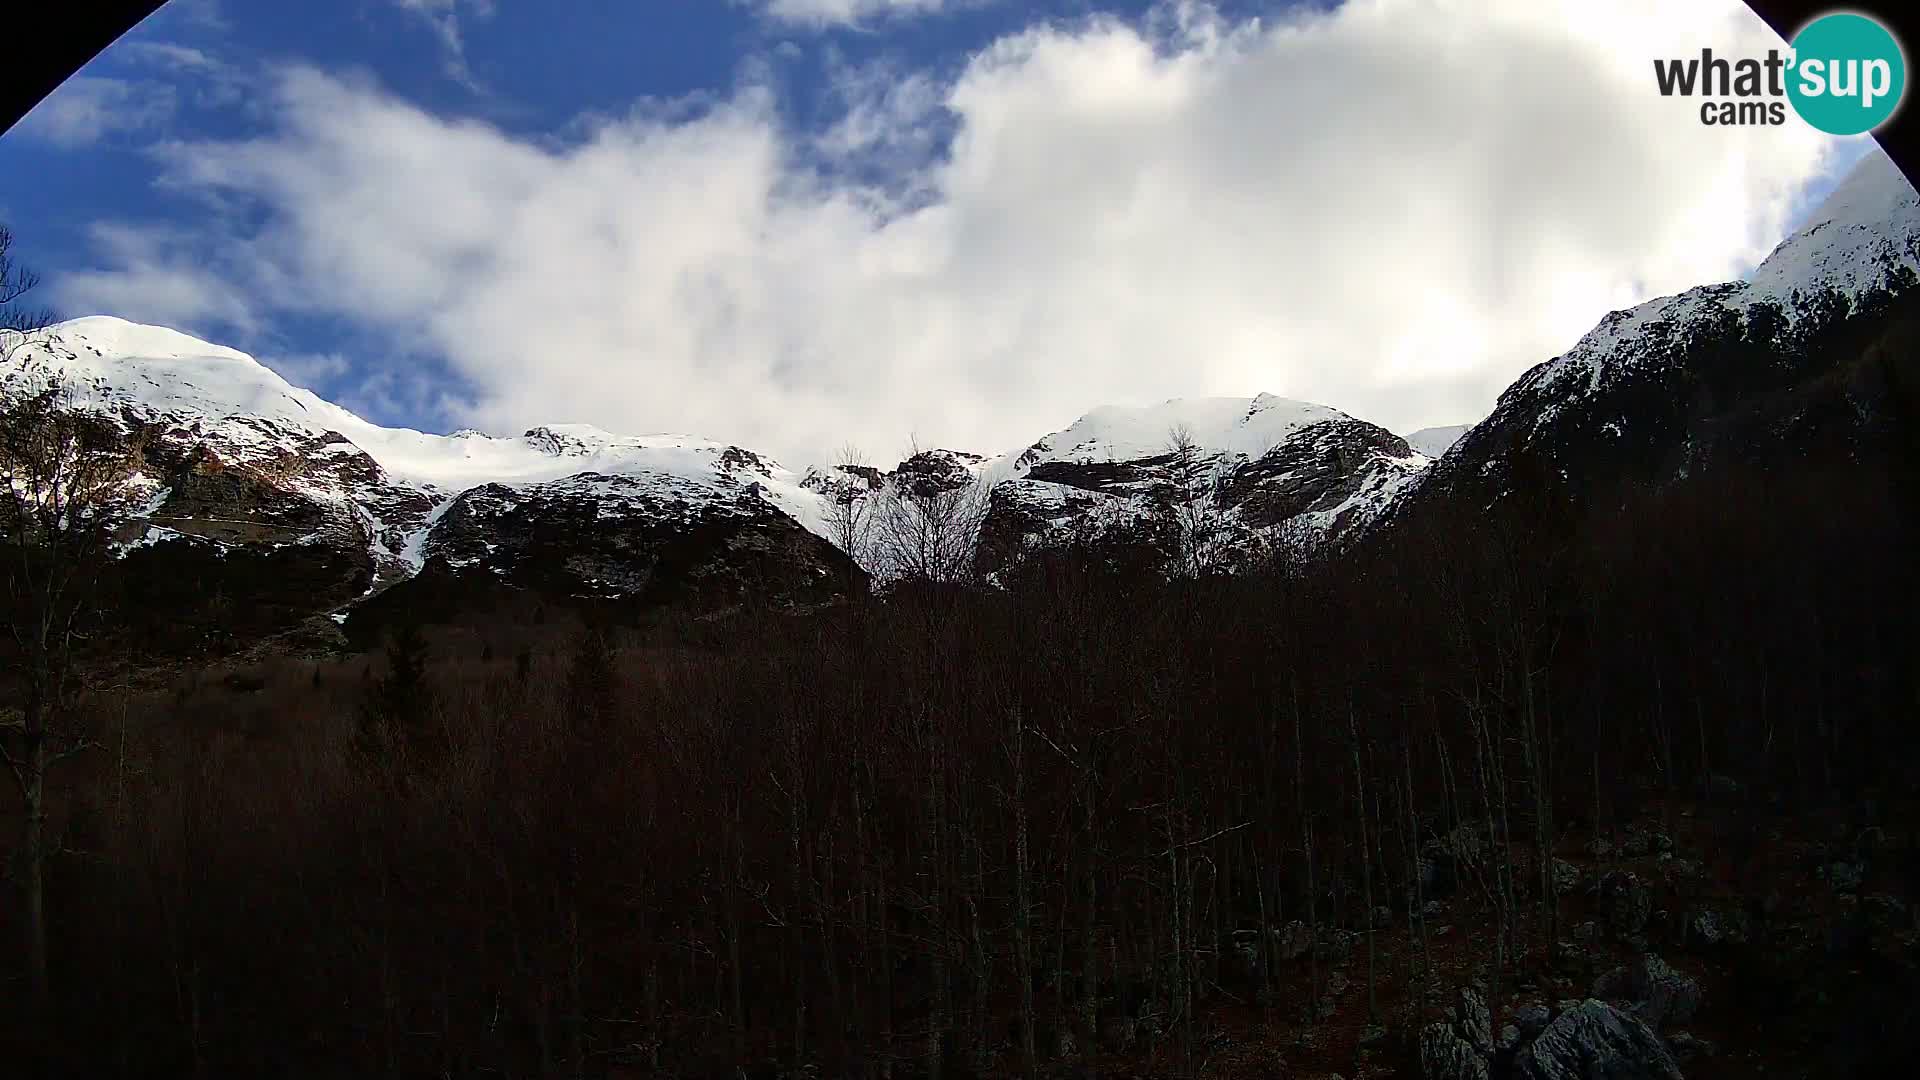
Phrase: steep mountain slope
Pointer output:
(1650, 393)
(241, 467)
(249, 482)
(242, 455)
(247, 478)
(1197, 481)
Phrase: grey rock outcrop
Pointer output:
(1474, 1020)
(1657, 993)
(1595, 1041)
(1626, 902)
(1444, 1055)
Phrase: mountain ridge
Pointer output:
(1631, 399)
(239, 446)
(238, 457)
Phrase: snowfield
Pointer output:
(1239, 427)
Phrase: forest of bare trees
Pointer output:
(953, 832)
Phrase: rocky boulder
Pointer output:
(1665, 996)
(1595, 1041)
(1474, 1019)
(1447, 862)
(1626, 904)
(1531, 1020)
(1656, 992)
(1444, 1055)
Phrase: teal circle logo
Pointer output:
(1848, 74)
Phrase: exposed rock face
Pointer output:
(643, 537)
(1595, 1041)
(1658, 994)
(932, 471)
(1444, 1055)
(253, 481)
(1210, 481)
(1580, 1040)
(1461, 1048)
(241, 471)
(1028, 518)
(1327, 469)
(1665, 996)
(1474, 1020)
(238, 458)
(1532, 1020)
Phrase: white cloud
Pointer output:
(169, 55)
(1394, 208)
(889, 122)
(199, 14)
(824, 13)
(200, 78)
(308, 369)
(157, 276)
(154, 81)
(89, 108)
(443, 18)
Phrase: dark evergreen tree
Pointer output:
(397, 710)
(590, 682)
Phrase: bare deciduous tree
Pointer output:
(19, 325)
(928, 522)
(64, 476)
(1193, 504)
(850, 496)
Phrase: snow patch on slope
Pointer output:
(392, 489)
(1863, 232)
(1244, 427)
(166, 374)
(1868, 224)
(1434, 441)
(247, 413)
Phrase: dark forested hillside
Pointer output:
(1642, 734)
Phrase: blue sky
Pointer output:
(532, 69)
(795, 223)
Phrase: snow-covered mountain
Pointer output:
(237, 460)
(1435, 441)
(1648, 393)
(1199, 478)
(1861, 238)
